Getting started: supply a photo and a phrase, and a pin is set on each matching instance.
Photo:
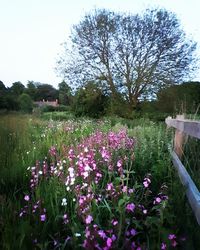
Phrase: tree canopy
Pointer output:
(135, 55)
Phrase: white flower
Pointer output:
(61, 167)
(68, 188)
(86, 150)
(72, 181)
(40, 172)
(64, 202)
(85, 184)
(71, 174)
(87, 168)
(70, 169)
(85, 174)
(77, 234)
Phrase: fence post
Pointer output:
(179, 139)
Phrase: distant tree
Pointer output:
(46, 92)
(89, 101)
(65, 95)
(180, 98)
(135, 55)
(31, 90)
(2, 86)
(17, 88)
(25, 103)
(3, 94)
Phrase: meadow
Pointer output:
(90, 184)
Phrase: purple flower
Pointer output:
(43, 217)
(130, 207)
(26, 198)
(102, 234)
(88, 219)
(133, 232)
(171, 236)
(163, 246)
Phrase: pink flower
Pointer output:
(114, 222)
(174, 243)
(157, 200)
(109, 186)
(171, 236)
(146, 182)
(88, 219)
(109, 242)
(119, 163)
(124, 189)
(130, 207)
(26, 198)
(163, 246)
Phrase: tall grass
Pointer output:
(25, 142)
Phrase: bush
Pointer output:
(25, 103)
(55, 109)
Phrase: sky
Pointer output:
(32, 31)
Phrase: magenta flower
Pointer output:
(109, 242)
(88, 219)
(26, 198)
(114, 222)
(109, 186)
(130, 207)
(119, 163)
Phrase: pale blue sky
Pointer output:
(31, 31)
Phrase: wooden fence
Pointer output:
(185, 128)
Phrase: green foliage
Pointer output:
(65, 96)
(89, 101)
(17, 89)
(184, 98)
(134, 54)
(46, 92)
(25, 140)
(31, 90)
(49, 108)
(57, 116)
(25, 103)
(118, 106)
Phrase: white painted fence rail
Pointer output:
(183, 128)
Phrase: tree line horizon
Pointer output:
(122, 61)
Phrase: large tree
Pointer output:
(132, 54)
